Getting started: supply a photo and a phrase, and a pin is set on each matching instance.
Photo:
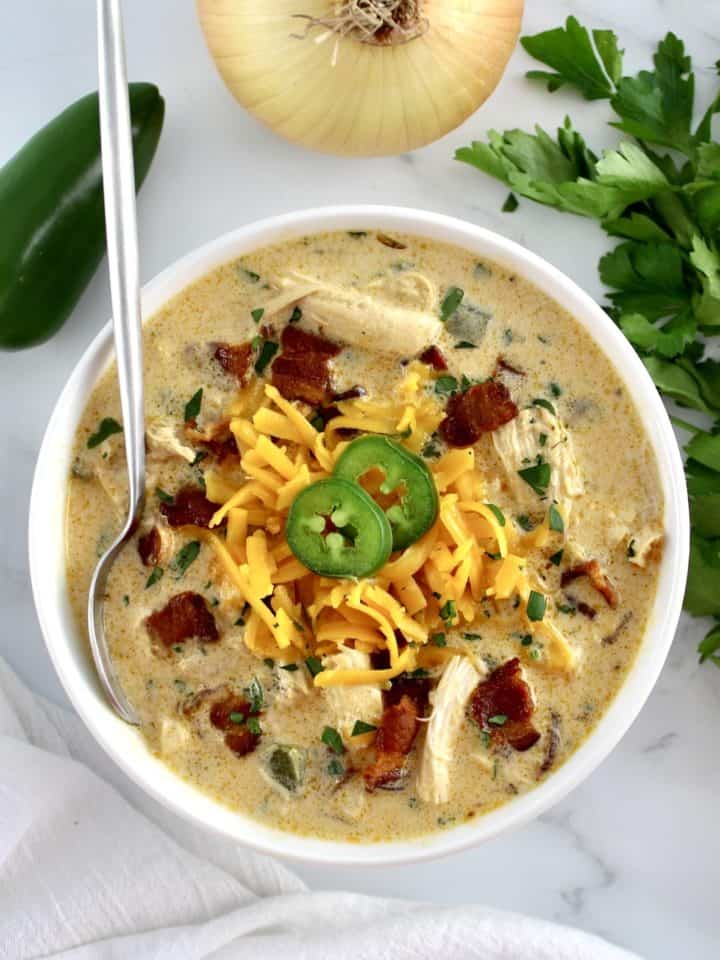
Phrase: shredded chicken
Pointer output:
(292, 685)
(449, 701)
(348, 704)
(371, 318)
(518, 445)
(164, 440)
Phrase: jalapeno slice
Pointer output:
(405, 475)
(336, 529)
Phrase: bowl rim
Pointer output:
(66, 647)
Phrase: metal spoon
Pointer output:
(122, 248)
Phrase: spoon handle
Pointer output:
(122, 241)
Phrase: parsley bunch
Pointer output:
(664, 208)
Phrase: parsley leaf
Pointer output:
(192, 407)
(537, 477)
(107, 427)
(332, 739)
(570, 52)
(186, 555)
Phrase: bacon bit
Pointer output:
(184, 616)
(190, 506)
(434, 358)
(301, 371)
(234, 358)
(502, 364)
(238, 737)
(393, 742)
(390, 242)
(216, 438)
(592, 570)
(481, 409)
(506, 694)
(417, 690)
(150, 547)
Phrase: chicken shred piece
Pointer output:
(449, 701)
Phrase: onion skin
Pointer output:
(376, 100)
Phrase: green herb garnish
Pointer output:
(511, 204)
(268, 351)
(438, 640)
(542, 402)
(296, 315)
(537, 477)
(106, 428)
(269, 662)
(524, 522)
(499, 720)
(257, 314)
(290, 667)
(555, 520)
(465, 345)
(335, 768)
(332, 739)
(253, 725)
(499, 515)
(537, 602)
(192, 407)
(448, 612)
(450, 302)
(314, 665)
(361, 727)
(162, 495)
(250, 275)
(556, 558)
(155, 576)
(446, 385)
(256, 694)
(237, 717)
(184, 557)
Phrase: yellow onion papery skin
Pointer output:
(376, 100)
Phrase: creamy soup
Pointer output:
(362, 640)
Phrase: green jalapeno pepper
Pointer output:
(337, 530)
(417, 507)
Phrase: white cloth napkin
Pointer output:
(92, 869)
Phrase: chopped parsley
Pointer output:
(314, 665)
(511, 204)
(257, 314)
(555, 519)
(556, 558)
(332, 739)
(253, 725)
(524, 522)
(438, 640)
(542, 402)
(290, 667)
(499, 515)
(361, 727)
(237, 717)
(268, 351)
(162, 495)
(446, 385)
(192, 407)
(256, 695)
(465, 345)
(335, 768)
(185, 556)
(537, 477)
(499, 720)
(269, 662)
(296, 315)
(450, 302)
(155, 577)
(107, 427)
(250, 275)
(448, 612)
(537, 602)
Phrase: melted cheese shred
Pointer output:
(468, 556)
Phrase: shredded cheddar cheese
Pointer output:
(467, 556)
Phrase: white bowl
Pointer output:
(68, 650)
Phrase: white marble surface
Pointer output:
(634, 854)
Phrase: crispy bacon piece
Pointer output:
(592, 570)
(434, 358)
(481, 409)
(238, 737)
(586, 610)
(216, 438)
(393, 742)
(184, 617)
(234, 358)
(506, 694)
(150, 547)
(301, 371)
(189, 506)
